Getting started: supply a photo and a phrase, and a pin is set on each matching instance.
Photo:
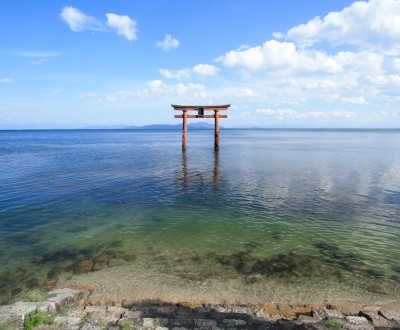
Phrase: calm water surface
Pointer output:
(294, 211)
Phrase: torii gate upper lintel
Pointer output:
(200, 114)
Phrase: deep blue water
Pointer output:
(271, 203)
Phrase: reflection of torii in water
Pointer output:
(185, 172)
(200, 114)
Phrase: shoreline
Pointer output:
(71, 308)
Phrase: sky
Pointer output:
(287, 63)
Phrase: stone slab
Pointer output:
(304, 319)
(390, 314)
(233, 322)
(357, 320)
(377, 320)
(205, 323)
(327, 314)
(66, 297)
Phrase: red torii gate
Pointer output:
(200, 114)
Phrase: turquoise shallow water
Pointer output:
(287, 206)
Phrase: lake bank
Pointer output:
(69, 308)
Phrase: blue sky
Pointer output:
(288, 63)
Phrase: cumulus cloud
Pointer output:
(280, 56)
(78, 21)
(6, 80)
(396, 64)
(124, 25)
(168, 43)
(205, 69)
(371, 25)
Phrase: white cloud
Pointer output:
(371, 25)
(78, 21)
(6, 80)
(156, 90)
(353, 99)
(124, 25)
(280, 56)
(246, 92)
(199, 69)
(168, 43)
(205, 69)
(179, 74)
(396, 64)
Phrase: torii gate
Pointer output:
(200, 114)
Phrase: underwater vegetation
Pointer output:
(297, 264)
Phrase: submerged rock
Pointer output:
(116, 262)
(85, 266)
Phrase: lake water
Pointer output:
(274, 216)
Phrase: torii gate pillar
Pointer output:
(200, 114)
(216, 130)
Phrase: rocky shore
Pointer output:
(68, 308)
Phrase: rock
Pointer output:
(99, 266)
(233, 322)
(261, 313)
(167, 311)
(66, 297)
(67, 321)
(88, 326)
(76, 313)
(96, 309)
(242, 310)
(304, 319)
(48, 307)
(205, 323)
(290, 312)
(222, 309)
(116, 311)
(85, 266)
(132, 315)
(180, 322)
(377, 320)
(273, 312)
(203, 310)
(327, 314)
(16, 314)
(350, 326)
(390, 315)
(356, 320)
(116, 262)
(153, 323)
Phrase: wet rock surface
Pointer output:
(69, 309)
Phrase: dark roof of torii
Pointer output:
(201, 106)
